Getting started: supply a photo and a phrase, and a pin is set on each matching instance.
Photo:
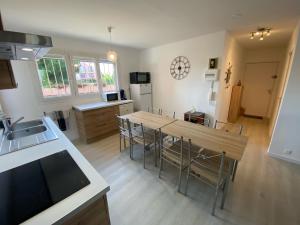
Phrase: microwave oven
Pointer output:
(110, 96)
(140, 78)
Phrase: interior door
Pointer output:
(259, 81)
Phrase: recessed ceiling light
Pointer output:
(27, 49)
(24, 58)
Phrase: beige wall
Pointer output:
(233, 53)
(285, 141)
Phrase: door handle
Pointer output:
(269, 91)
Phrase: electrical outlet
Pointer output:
(287, 151)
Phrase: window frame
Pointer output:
(91, 59)
(116, 76)
(40, 87)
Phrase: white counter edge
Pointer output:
(99, 105)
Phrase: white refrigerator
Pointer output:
(141, 94)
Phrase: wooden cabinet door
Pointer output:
(7, 80)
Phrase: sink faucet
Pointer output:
(8, 126)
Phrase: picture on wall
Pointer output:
(213, 63)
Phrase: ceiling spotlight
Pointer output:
(261, 37)
(25, 58)
(262, 32)
(27, 49)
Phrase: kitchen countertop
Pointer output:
(97, 187)
(98, 105)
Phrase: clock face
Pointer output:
(180, 67)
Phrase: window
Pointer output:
(86, 76)
(53, 77)
(108, 76)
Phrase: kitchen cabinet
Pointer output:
(235, 104)
(94, 214)
(95, 124)
(7, 79)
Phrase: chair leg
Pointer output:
(160, 165)
(226, 186)
(215, 200)
(187, 180)
(120, 142)
(144, 157)
(225, 192)
(234, 170)
(155, 148)
(179, 181)
(131, 148)
(124, 142)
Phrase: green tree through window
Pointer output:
(53, 77)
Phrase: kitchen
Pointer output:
(109, 116)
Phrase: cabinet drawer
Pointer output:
(95, 112)
(126, 108)
(98, 130)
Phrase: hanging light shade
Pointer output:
(111, 55)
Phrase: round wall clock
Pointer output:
(180, 67)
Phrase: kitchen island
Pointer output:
(86, 206)
(97, 120)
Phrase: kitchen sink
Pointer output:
(27, 124)
(26, 132)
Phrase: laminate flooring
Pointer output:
(266, 191)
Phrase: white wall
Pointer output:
(287, 128)
(26, 100)
(181, 95)
(233, 54)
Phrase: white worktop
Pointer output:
(55, 213)
(98, 105)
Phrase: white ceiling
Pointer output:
(148, 23)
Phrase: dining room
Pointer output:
(150, 112)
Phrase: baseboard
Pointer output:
(278, 156)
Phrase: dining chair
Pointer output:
(206, 122)
(125, 133)
(233, 128)
(145, 137)
(212, 169)
(174, 153)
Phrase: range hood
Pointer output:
(23, 46)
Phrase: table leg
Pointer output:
(155, 152)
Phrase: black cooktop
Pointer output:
(31, 188)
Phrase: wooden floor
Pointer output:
(266, 190)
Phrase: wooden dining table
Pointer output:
(209, 138)
(149, 120)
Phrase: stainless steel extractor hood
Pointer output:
(23, 46)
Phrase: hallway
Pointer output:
(265, 191)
